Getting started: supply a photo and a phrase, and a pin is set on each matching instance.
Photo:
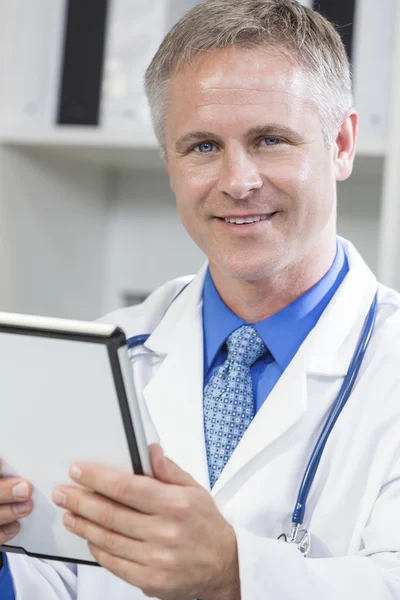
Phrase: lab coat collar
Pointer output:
(331, 347)
(178, 316)
(331, 344)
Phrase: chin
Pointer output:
(246, 269)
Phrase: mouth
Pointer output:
(247, 220)
(247, 223)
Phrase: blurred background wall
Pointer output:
(87, 218)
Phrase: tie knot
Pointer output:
(245, 346)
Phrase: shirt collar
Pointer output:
(281, 331)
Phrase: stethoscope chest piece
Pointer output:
(301, 538)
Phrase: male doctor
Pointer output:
(252, 106)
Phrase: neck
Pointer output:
(254, 301)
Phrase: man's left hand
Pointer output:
(163, 535)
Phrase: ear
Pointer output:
(345, 146)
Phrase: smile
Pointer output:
(246, 220)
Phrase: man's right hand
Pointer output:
(15, 503)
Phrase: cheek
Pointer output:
(308, 184)
(192, 186)
(293, 177)
(188, 203)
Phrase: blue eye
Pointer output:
(207, 145)
(274, 141)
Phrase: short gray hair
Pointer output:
(298, 31)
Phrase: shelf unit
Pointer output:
(87, 215)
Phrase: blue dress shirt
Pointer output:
(282, 333)
(6, 584)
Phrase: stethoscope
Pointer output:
(301, 538)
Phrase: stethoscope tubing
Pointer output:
(137, 340)
(340, 402)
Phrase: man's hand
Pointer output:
(15, 503)
(164, 535)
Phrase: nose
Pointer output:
(238, 175)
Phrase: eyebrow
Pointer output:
(267, 130)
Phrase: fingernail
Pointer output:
(69, 521)
(11, 529)
(75, 472)
(22, 508)
(21, 490)
(59, 497)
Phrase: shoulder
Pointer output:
(388, 317)
(143, 318)
(382, 361)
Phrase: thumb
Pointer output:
(166, 470)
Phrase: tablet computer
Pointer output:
(66, 395)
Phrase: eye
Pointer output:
(204, 147)
(271, 141)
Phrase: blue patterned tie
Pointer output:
(228, 398)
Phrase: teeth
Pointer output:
(248, 220)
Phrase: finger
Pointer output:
(105, 512)
(11, 512)
(135, 574)
(140, 492)
(13, 489)
(7, 532)
(109, 541)
(159, 463)
(167, 471)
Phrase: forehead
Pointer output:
(236, 83)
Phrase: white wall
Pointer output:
(53, 218)
(359, 206)
(146, 242)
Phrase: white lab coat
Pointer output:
(353, 510)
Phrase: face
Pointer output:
(254, 182)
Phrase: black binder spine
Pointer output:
(342, 14)
(82, 68)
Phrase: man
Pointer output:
(252, 106)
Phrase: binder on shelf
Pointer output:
(135, 31)
(35, 32)
(342, 14)
(82, 68)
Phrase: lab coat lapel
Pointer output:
(174, 396)
(331, 345)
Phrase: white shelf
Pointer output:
(136, 148)
(67, 135)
